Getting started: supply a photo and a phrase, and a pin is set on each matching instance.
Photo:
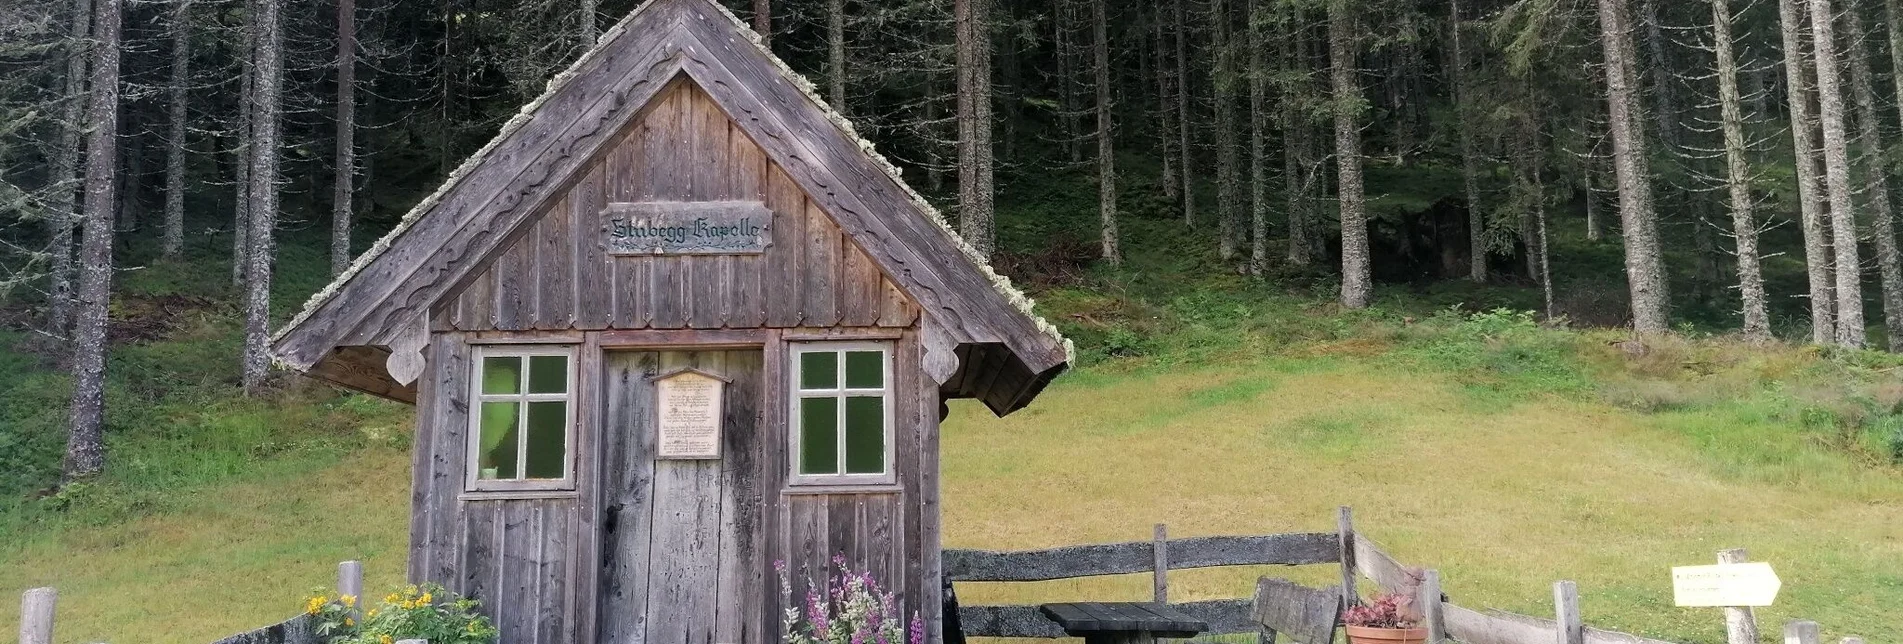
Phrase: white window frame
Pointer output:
(473, 479)
(794, 352)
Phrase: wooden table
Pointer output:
(1123, 622)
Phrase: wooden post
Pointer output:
(350, 582)
(1801, 631)
(36, 615)
(1741, 624)
(1571, 628)
(1160, 583)
(1431, 614)
(1345, 528)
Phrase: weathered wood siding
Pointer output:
(516, 555)
(555, 274)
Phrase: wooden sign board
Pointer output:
(687, 228)
(690, 406)
(1739, 584)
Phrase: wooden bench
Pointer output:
(1123, 622)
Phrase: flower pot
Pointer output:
(1372, 635)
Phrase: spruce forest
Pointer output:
(1729, 161)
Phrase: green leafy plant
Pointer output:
(428, 612)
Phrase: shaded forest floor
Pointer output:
(1504, 452)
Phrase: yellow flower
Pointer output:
(372, 613)
(422, 600)
(315, 604)
(349, 622)
(348, 600)
(392, 598)
(386, 639)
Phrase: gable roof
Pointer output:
(981, 337)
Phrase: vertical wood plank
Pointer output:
(746, 276)
(593, 291)
(684, 560)
(481, 556)
(770, 471)
(742, 574)
(821, 272)
(555, 268)
(707, 164)
(435, 536)
(1345, 539)
(584, 577)
(1569, 626)
(514, 307)
(629, 480)
(1741, 623)
(552, 554)
(786, 258)
(860, 301)
(668, 178)
(1160, 564)
(1433, 615)
(895, 310)
(929, 409)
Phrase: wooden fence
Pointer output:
(1359, 558)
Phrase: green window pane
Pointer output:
(865, 369)
(502, 375)
(865, 435)
(548, 435)
(495, 457)
(819, 435)
(819, 370)
(548, 374)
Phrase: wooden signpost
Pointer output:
(1730, 584)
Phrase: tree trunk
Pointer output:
(1876, 181)
(247, 115)
(1258, 138)
(836, 54)
(1356, 281)
(85, 445)
(1645, 272)
(61, 220)
(269, 72)
(1810, 191)
(763, 21)
(1185, 166)
(589, 32)
(1295, 127)
(1744, 226)
(1228, 165)
(172, 239)
(975, 219)
(1106, 148)
(344, 198)
(1166, 109)
(1469, 170)
(1843, 219)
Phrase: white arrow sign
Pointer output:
(1739, 584)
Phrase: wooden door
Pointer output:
(682, 543)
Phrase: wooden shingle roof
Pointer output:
(981, 338)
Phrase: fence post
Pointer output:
(1345, 537)
(1571, 627)
(1801, 631)
(1430, 606)
(36, 615)
(350, 582)
(1741, 624)
(1160, 583)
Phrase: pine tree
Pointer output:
(1469, 162)
(1106, 147)
(1185, 165)
(344, 193)
(1228, 165)
(762, 21)
(1356, 279)
(1874, 177)
(1258, 138)
(266, 110)
(975, 190)
(1818, 261)
(60, 218)
(1744, 226)
(172, 239)
(1843, 218)
(836, 54)
(85, 445)
(1645, 271)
